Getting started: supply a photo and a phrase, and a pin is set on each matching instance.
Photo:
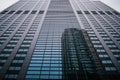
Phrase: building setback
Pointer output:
(59, 39)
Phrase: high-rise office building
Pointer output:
(59, 39)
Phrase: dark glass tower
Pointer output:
(76, 57)
(59, 39)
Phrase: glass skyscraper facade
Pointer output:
(59, 40)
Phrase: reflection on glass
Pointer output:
(76, 57)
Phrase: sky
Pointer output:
(6, 3)
(112, 3)
(115, 4)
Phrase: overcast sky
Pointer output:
(6, 3)
(113, 3)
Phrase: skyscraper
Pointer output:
(59, 39)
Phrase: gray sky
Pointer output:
(113, 3)
(6, 3)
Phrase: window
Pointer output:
(108, 12)
(11, 12)
(26, 12)
(23, 50)
(115, 12)
(86, 12)
(117, 55)
(4, 55)
(25, 45)
(11, 76)
(14, 68)
(110, 69)
(103, 56)
(106, 61)
(101, 12)
(33, 12)
(79, 12)
(41, 12)
(94, 12)
(18, 61)
(8, 50)
(18, 12)
(3, 61)
(20, 55)
(100, 50)
(32, 76)
(3, 12)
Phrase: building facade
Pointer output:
(59, 39)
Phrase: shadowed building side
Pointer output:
(76, 57)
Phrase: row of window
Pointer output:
(100, 12)
(20, 11)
